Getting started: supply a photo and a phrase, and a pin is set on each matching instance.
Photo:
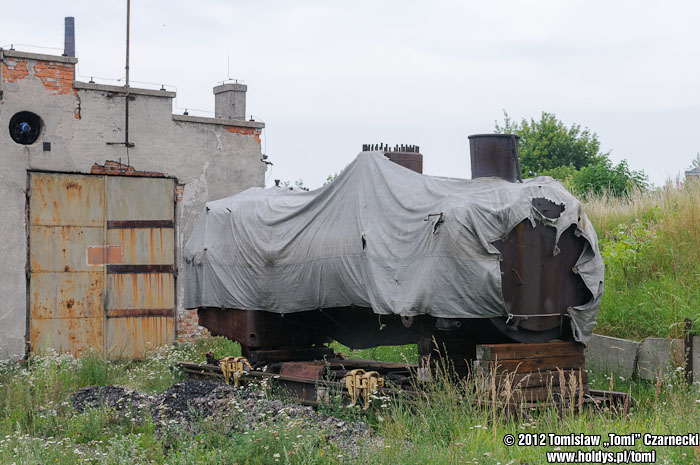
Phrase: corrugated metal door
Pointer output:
(101, 252)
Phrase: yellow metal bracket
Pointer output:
(362, 383)
(233, 368)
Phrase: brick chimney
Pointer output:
(229, 101)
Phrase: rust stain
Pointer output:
(152, 247)
(135, 290)
(101, 255)
(132, 244)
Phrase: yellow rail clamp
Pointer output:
(362, 383)
(233, 367)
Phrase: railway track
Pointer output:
(313, 383)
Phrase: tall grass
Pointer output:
(650, 242)
(445, 425)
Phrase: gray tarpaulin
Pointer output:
(363, 240)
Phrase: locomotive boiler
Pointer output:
(384, 255)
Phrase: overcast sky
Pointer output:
(329, 76)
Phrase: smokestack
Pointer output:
(69, 42)
(495, 155)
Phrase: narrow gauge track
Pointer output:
(312, 383)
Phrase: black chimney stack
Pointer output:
(69, 43)
(495, 155)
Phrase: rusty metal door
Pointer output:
(101, 257)
(140, 304)
(65, 290)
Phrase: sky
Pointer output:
(328, 76)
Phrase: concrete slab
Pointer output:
(606, 354)
(659, 353)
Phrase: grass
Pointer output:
(38, 426)
(651, 246)
(401, 354)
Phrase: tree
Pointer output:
(604, 177)
(547, 144)
(570, 154)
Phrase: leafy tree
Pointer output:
(570, 154)
(604, 177)
(547, 144)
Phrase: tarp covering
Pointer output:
(363, 240)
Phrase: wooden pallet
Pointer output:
(527, 373)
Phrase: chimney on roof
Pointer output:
(69, 37)
(229, 101)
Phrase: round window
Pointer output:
(25, 127)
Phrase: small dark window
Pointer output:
(25, 127)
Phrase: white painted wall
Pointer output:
(211, 161)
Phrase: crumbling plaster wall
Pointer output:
(212, 158)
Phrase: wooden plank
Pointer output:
(529, 364)
(535, 379)
(525, 351)
(539, 394)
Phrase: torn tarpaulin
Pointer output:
(362, 241)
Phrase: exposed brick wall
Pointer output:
(188, 325)
(56, 77)
(118, 169)
(179, 191)
(14, 69)
(246, 132)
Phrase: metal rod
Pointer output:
(126, 84)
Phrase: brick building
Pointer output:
(93, 219)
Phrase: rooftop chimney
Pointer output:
(229, 101)
(69, 42)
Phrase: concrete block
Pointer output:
(659, 353)
(606, 354)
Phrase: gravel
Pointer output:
(115, 397)
(244, 408)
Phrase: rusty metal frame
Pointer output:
(132, 224)
(175, 261)
(27, 266)
(140, 269)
